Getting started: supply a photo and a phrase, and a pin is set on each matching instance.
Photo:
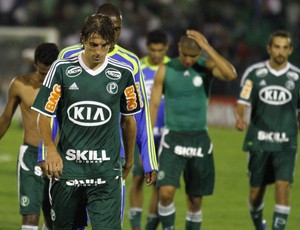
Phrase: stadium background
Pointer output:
(238, 29)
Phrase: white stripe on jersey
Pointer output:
(117, 63)
(251, 68)
(49, 77)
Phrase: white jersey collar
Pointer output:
(89, 70)
(278, 72)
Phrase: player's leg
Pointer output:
(261, 173)
(199, 178)
(67, 202)
(282, 208)
(31, 185)
(152, 217)
(285, 165)
(104, 204)
(256, 206)
(166, 206)
(194, 213)
(136, 192)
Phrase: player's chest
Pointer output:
(277, 90)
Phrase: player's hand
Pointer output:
(150, 177)
(240, 124)
(53, 165)
(42, 166)
(199, 38)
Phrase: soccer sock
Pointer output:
(193, 220)
(280, 216)
(257, 216)
(152, 222)
(135, 215)
(167, 216)
(29, 227)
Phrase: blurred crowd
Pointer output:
(238, 29)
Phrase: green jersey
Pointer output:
(274, 97)
(186, 93)
(87, 104)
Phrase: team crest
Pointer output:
(112, 88)
(161, 175)
(261, 72)
(290, 84)
(197, 81)
(53, 216)
(292, 75)
(24, 200)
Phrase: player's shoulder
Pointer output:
(126, 51)
(294, 68)
(70, 51)
(256, 66)
(123, 66)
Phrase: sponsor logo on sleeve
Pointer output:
(246, 91)
(131, 98)
(53, 98)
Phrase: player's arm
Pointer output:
(240, 122)
(145, 139)
(128, 127)
(156, 93)
(53, 164)
(219, 66)
(10, 108)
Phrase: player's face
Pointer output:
(95, 50)
(117, 21)
(156, 53)
(41, 68)
(188, 57)
(280, 50)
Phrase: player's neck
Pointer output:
(277, 66)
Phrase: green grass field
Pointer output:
(226, 210)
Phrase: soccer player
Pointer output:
(157, 47)
(144, 138)
(22, 92)
(271, 88)
(186, 146)
(88, 94)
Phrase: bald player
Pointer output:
(186, 146)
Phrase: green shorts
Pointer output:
(103, 203)
(192, 154)
(30, 181)
(267, 167)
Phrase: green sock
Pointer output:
(257, 216)
(280, 217)
(192, 225)
(152, 222)
(135, 215)
(193, 220)
(167, 216)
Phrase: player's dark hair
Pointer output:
(46, 53)
(109, 10)
(157, 36)
(279, 33)
(98, 24)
